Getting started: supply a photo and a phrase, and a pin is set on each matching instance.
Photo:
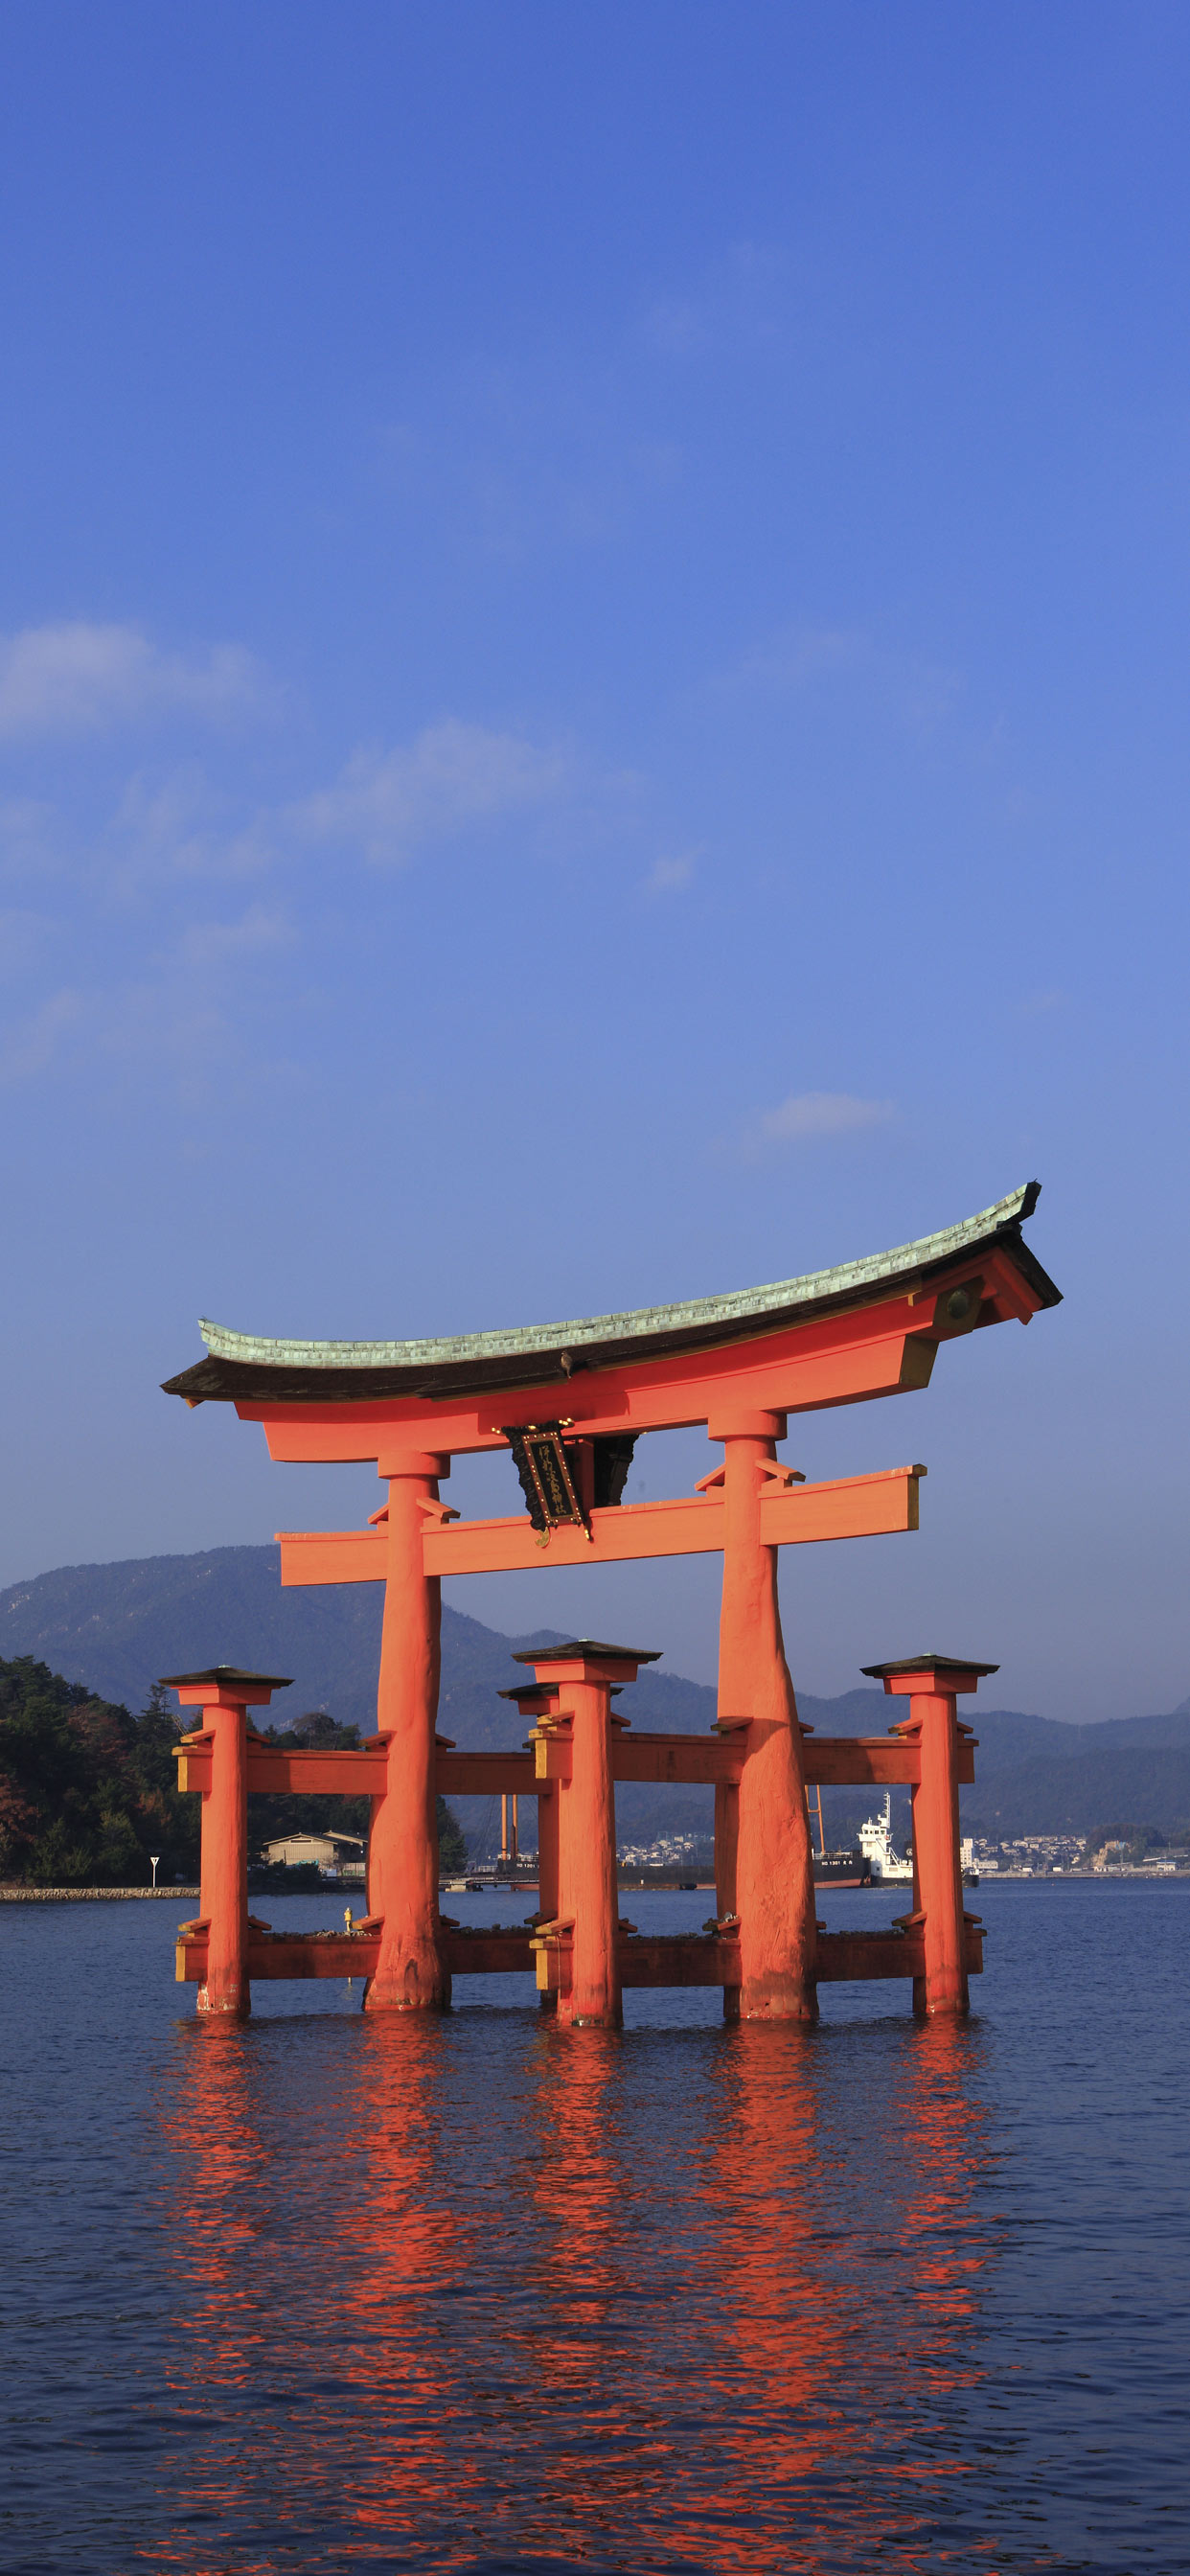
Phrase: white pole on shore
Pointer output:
(154, 1857)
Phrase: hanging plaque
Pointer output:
(547, 1481)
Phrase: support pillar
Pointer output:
(535, 1704)
(583, 1674)
(223, 1866)
(403, 1841)
(932, 1685)
(764, 1866)
(225, 1696)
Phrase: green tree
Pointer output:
(86, 1789)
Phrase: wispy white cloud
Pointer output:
(183, 1010)
(220, 943)
(670, 876)
(1034, 1005)
(180, 825)
(81, 678)
(30, 836)
(809, 1114)
(918, 696)
(453, 776)
(32, 1043)
(800, 654)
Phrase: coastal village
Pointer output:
(339, 1858)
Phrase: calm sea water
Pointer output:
(329, 2293)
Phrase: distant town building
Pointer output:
(337, 1855)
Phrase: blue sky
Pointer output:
(592, 708)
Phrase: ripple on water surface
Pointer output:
(334, 2293)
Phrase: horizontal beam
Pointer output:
(285, 1772)
(485, 1775)
(278, 1954)
(712, 1959)
(884, 1348)
(650, 1959)
(874, 1506)
(497, 1950)
(872, 1762)
(657, 1760)
(691, 1761)
(678, 1959)
(333, 1556)
(660, 1761)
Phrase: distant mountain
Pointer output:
(117, 1627)
(1144, 1786)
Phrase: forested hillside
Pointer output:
(87, 1790)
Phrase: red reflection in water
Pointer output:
(588, 2365)
(213, 2129)
(817, 2381)
(942, 2221)
(214, 2133)
(698, 2308)
(387, 2245)
(404, 2247)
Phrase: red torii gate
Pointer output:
(569, 1401)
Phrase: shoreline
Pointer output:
(91, 1895)
(998, 1878)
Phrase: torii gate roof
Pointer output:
(249, 1368)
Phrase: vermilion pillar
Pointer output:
(932, 1683)
(403, 1842)
(764, 1867)
(225, 1696)
(583, 1673)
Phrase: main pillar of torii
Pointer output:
(403, 1840)
(569, 1402)
(764, 1868)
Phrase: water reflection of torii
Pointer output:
(679, 2348)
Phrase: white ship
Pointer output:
(876, 1844)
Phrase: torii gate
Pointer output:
(569, 1401)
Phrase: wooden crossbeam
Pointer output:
(485, 1775)
(691, 1761)
(876, 1349)
(283, 1771)
(874, 1506)
(649, 1959)
(872, 1761)
(665, 1761)
(497, 1950)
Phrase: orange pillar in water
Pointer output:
(403, 1842)
(763, 1862)
(932, 1683)
(225, 1696)
(583, 1674)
